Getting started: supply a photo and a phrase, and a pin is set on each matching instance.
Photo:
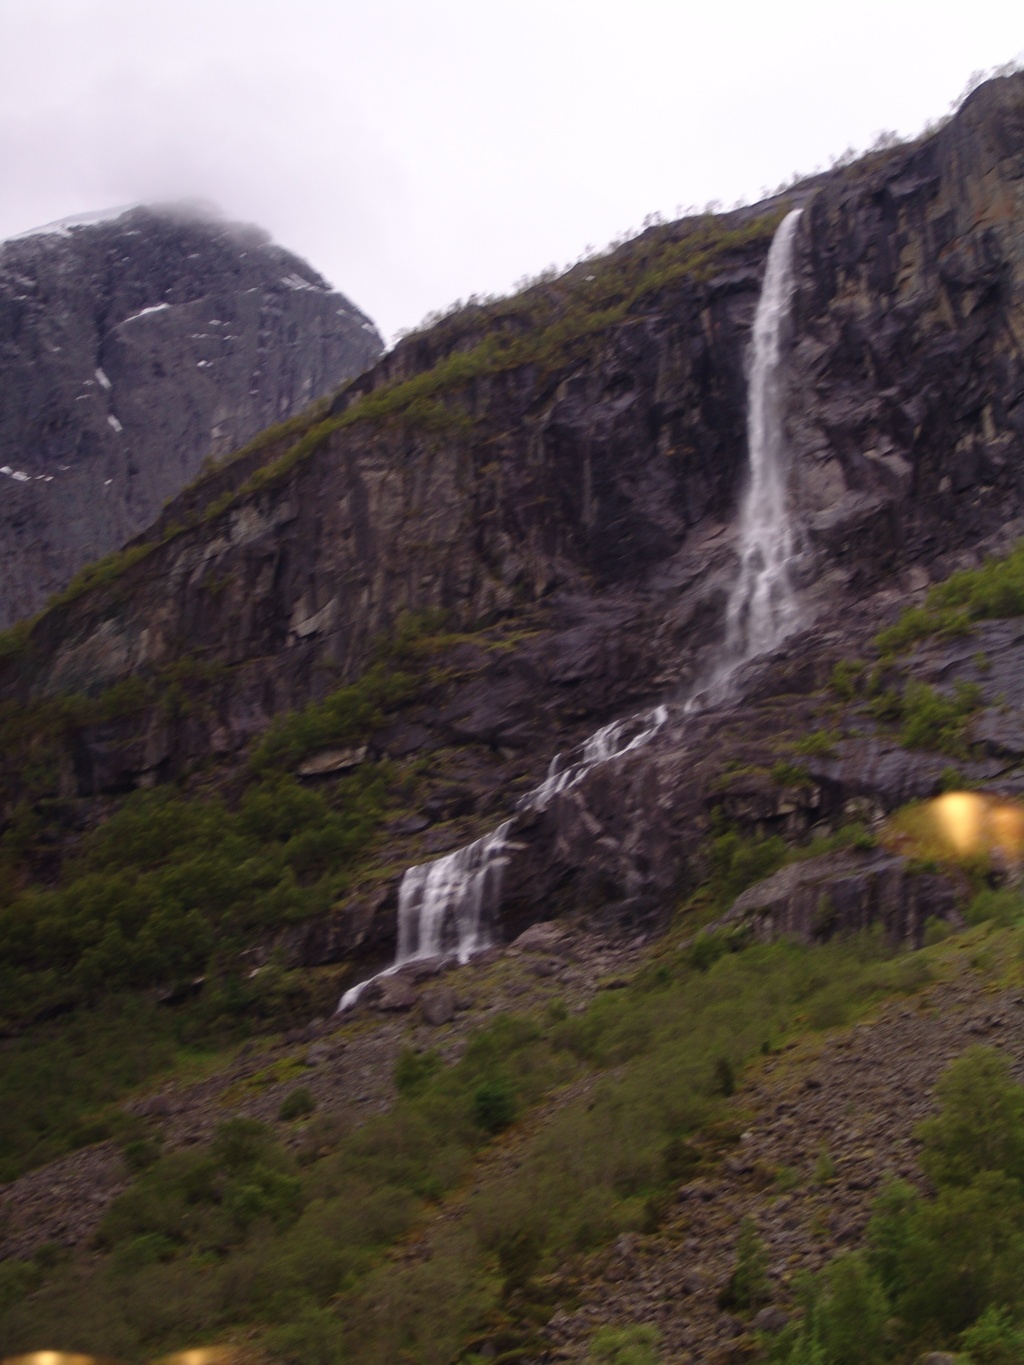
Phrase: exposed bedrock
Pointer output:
(907, 417)
(132, 348)
(844, 893)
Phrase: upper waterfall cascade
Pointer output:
(763, 607)
(448, 907)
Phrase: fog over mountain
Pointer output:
(421, 153)
(133, 346)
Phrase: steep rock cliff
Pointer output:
(566, 463)
(131, 349)
(907, 374)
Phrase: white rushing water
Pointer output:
(449, 907)
(445, 908)
(620, 737)
(763, 607)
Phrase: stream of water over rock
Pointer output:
(448, 907)
(763, 606)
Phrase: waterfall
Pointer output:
(763, 608)
(448, 907)
(609, 742)
(445, 907)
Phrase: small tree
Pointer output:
(748, 1285)
(981, 1123)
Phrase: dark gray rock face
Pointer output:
(132, 348)
(844, 893)
(907, 420)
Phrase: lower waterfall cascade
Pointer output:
(448, 907)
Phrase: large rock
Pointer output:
(131, 349)
(845, 893)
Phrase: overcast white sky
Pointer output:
(416, 151)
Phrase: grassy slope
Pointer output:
(608, 1111)
(629, 1097)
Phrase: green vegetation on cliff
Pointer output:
(994, 590)
(108, 904)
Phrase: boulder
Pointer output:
(438, 1006)
(846, 892)
(770, 1319)
(394, 993)
(330, 762)
(541, 937)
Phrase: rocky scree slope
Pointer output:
(566, 463)
(130, 350)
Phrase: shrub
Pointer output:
(789, 775)
(820, 743)
(208, 1197)
(724, 1077)
(934, 721)
(141, 1152)
(314, 1338)
(824, 1167)
(844, 1318)
(519, 1254)
(494, 1104)
(707, 949)
(748, 1285)
(943, 1261)
(981, 1123)
(1003, 905)
(414, 1069)
(994, 1339)
(996, 589)
(349, 714)
(737, 863)
(623, 1346)
(845, 678)
(887, 705)
(297, 1105)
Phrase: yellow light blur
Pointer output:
(200, 1355)
(54, 1358)
(203, 1355)
(962, 824)
(961, 818)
